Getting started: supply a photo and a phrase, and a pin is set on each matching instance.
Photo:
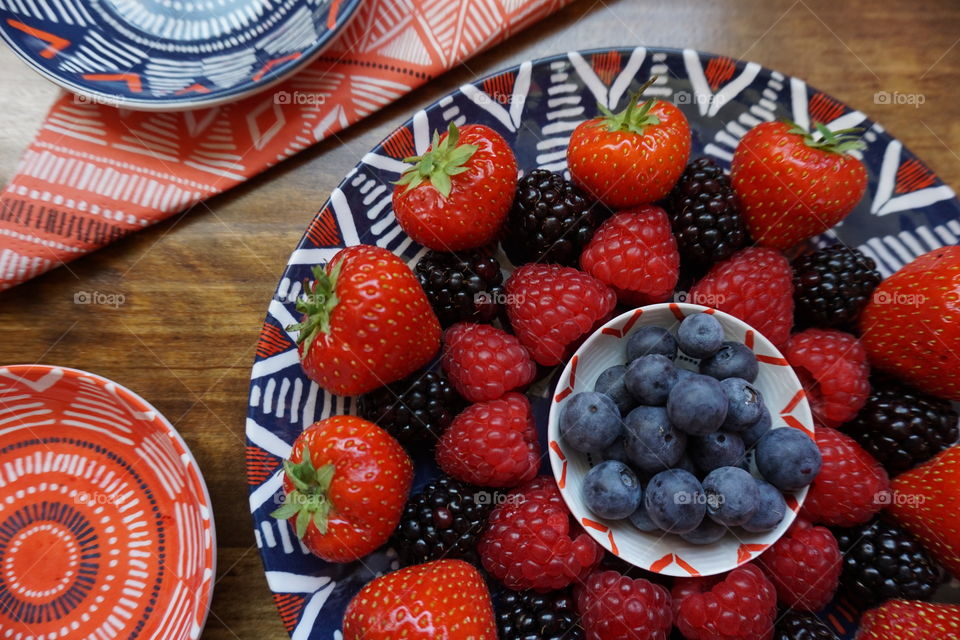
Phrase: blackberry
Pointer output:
(444, 520)
(799, 625)
(831, 286)
(466, 286)
(902, 427)
(551, 220)
(705, 215)
(882, 561)
(529, 615)
(416, 410)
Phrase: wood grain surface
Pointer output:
(196, 287)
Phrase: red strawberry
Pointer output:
(632, 157)
(531, 543)
(552, 307)
(366, 322)
(635, 254)
(804, 565)
(755, 285)
(441, 599)
(457, 194)
(742, 606)
(345, 486)
(911, 326)
(851, 486)
(484, 362)
(792, 187)
(492, 444)
(615, 607)
(926, 501)
(910, 620)
(832, 366)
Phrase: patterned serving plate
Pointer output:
(907, 211)
(165, 55)
(105, 522)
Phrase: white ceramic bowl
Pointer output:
(667, 553)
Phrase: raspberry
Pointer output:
(484, 362)
(615, 607)
(530, 542)
(552, 307)
(635, 254)
(755, 285)
(742, 606)
(492, 444)
(851, 486)
(804, 566)
(832, 366)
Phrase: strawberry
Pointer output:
(366, 322)
(910, 620)
(492, 444)
(911, 326)
(635, 254)
(926, 501)
(851, 486)
(632, 157)
(457, 194)
(756, 285)
(791, 186)
(441, 599)
(345, 485)
(551, 308)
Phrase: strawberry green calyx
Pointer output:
(316, 305)
(840, 141)
(635, 117)
(444, 159)
(309, 500)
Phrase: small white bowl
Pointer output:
(667, 553)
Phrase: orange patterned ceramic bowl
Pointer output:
(666, 553)
(105, 522)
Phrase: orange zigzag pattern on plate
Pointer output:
(142, 167)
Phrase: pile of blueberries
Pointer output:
(675, 443)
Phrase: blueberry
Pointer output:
(590, 421)
(732, 495)
(700, 335)
(675, 501)
(707, 532)
(650, 378)
(697, 405)
(686, 463)
(744, 404)
(770, 511)
(651, 339)
(651, 442)
(755, 431)
(611, 490)
(616, 451)
(684, 373)
(733, 360)
(610, 381)
(788, 458)
(641, 519)
(715, 450)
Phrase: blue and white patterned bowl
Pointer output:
(907, 211)
(165, 55)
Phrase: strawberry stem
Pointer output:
(440, 162)
(316, 305)
(840, 141)
(309, 501)
(635, 117)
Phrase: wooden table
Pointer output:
(197, 286)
